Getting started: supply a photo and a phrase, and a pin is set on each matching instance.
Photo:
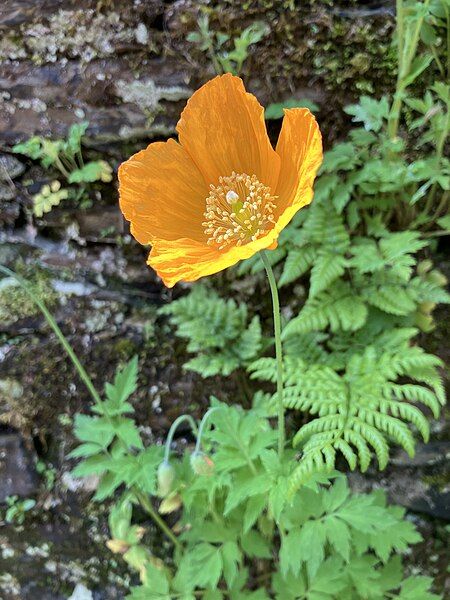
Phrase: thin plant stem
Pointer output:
(447, 14)
(406, 54)
(202, 426)
(278, 350)
(400, 35)
(172, 431)
(59, 165)
(146, 504)
(148, 507)
(59, 334)
(431, 234)
(439, 153)
(441, 206)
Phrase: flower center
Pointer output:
(239, 210)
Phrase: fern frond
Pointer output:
(337, 308)
(394, 428)
(249, 342)
(328, 267)
(347, 451)
(326, 227)
(374, 437)
(217, 330)
(316, 460)
(408, 413)
(416, 393)
(364, 408)
(297, 263)
(330, 423)
(356, 439)
(391, 298)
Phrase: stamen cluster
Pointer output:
(238, 210)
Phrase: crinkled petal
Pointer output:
(188, 260)
(223, 130)
(300, 149)
(162, 194)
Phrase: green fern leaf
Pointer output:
(327, 268)
(393, 299)
(339, 308)
(298, 261)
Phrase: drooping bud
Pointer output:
(424, 266)
(170, 504)
(437, 278)
(202, 464)
(166, 477)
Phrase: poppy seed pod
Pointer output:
(202, 464)
(166, 477)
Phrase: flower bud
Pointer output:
(166, 477)
(202, 464)
(424, 266)
(437, 278)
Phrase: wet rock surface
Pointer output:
(56, 552)
(125, 67)
(10, 167)
(421, 483)
(18, 476)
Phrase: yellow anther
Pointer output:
(238, 210)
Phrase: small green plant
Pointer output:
(48, 473)
(276, 109)
(218, 331)
(66, 157)
(245, 528)
(17, 509)
(48, 197)
(233, 494)
(214, 43)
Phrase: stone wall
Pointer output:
(127, 68)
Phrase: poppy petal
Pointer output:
(162, 193)
(188, 260)
(223, 130)
(300, 149)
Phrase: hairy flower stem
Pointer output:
(146, 504)
(202, 427)
(278, 350)
(59, 334)
(143, 500)
(172, 431)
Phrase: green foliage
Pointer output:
(276, 110)
(109, 440)
(230, 518)
(66, 157)
(369, 294)
(218, 331)
(15, 513)
(215, 44)
(370, 112)
(48, 474)
(351, 359)
(98, 170)
(358, 395)
(48, 197)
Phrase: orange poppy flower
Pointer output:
(222, 193)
